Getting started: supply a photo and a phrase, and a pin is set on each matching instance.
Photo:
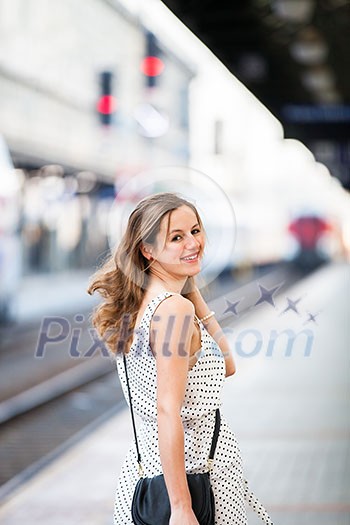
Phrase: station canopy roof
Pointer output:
(285, 51)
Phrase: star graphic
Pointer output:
(232, 307)
(311, 317)
(291, 306)
(266, 295)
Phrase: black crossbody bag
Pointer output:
(150, 503)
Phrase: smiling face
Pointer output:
(185, 238)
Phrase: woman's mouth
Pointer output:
(191, 258)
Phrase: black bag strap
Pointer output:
(213, 443)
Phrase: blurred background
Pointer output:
(255, 94)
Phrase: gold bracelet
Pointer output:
(207, 316)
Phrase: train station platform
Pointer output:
(53, 294)
(288, 404)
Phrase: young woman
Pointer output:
(177, 361)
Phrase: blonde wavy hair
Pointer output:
(123, 278)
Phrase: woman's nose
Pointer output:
(192, 242)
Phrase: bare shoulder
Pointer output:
(175, 313)
(174, 305)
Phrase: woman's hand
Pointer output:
(193, 294)
(189, 288)
(183, 516)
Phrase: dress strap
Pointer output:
(151, 307)
(196, 320)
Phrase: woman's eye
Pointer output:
(176, 236)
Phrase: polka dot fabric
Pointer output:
(202, 397)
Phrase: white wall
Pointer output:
(50, 55)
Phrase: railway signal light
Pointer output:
(152, 65)
(107, 103)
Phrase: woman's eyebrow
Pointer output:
(173, 231)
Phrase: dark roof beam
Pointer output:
(239, 38)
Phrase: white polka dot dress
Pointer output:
(202, 397)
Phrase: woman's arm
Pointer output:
(171, 346)
(214, 329)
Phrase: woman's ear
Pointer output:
(146, 251)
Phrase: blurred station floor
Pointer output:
(290, 414)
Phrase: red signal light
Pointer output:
(107, 104)
(152, 66)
